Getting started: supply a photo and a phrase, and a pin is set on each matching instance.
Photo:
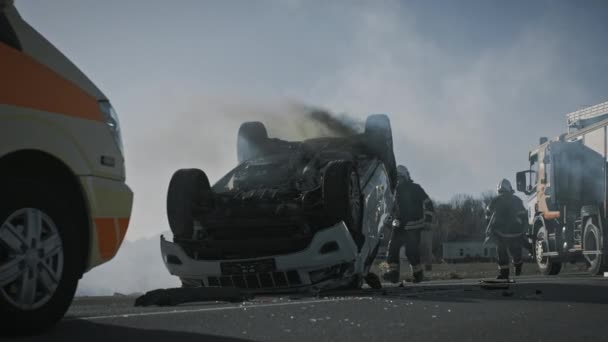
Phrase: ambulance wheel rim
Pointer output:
(32, 265)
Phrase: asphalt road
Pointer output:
(534, 309)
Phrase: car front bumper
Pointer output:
(328, 261)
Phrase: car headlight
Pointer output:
(111, 119)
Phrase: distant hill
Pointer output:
(138, 267)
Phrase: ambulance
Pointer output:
(64, 203)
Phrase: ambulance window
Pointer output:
(7, 34)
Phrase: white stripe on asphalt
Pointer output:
(221, 308)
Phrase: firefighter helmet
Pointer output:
(402, 171)
(504, 186)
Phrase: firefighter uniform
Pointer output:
(507, 222)
(414, 213)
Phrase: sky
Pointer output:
(470, 86)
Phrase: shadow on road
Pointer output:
(86, 331)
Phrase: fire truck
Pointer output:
(567, 195)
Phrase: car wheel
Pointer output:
(592, 243)
(189, 191)
(380, 137)
(40, 262)
(342, 196)
(250, 140)
(546, 264)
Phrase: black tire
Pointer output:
(251, 138)
(380, 138)
(342, 196)
(593, 242)
(546, 265)
(189, 192)
(43, 198)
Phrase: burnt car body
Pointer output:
(291, 215)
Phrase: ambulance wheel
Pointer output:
(40, 257)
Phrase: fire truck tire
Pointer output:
(593, 243)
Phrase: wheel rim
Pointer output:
(31, 269)
(541, 247)
(355, 200)
(591, 244)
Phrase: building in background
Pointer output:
(461, 250)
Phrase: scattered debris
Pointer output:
(507, 293)
(176, 296)
(495, 284)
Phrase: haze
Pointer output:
(470, 86)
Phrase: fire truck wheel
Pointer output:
(592, 247)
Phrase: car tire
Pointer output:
(546, 264)
(342, 196)
(593, 242)
(251, 138)
(51, 259)
(189, 191)
(380, 138)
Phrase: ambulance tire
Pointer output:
(21, 200)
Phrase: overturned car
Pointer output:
(291, 215)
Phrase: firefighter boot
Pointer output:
(518, 268)
(418, 273)
(503, 273)
(392, 275)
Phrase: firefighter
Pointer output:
(507, 219)
(413, 213)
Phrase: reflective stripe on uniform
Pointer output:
(415, 224)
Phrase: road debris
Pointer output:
(176, 296)
(495, 284)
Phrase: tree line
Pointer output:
(462, 218)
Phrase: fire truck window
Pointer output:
(595, 140)
(534, 167)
